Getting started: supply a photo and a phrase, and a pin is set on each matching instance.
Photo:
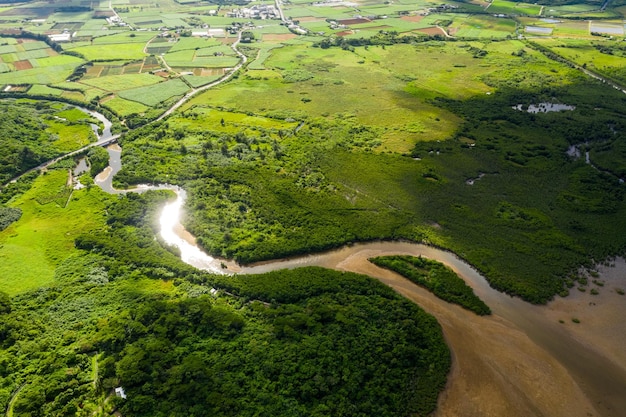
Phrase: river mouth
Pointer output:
(521, 361)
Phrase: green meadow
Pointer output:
(52, 217)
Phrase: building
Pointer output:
(119, 392)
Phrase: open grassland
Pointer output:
(44, 236)
(258, 61)
(333, 83)
(70, 136)
(202, 117)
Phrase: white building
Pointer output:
(119, 391)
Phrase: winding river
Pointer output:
(524, 360)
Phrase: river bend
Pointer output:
(524, 360)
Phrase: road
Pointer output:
(225, 78)
(107, 139)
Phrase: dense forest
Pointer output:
(24, 142)
(34, 133)
(124, 311)
(503, 184)
(435, 277)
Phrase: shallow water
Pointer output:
(600, 377)
(544, 107)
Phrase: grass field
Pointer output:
(151, 96)
(31, 248)
(122, 82)
(514, 8)
(70, 137)
(125, 107)
(604, 56)
(340, 84)
(122, 46)
(482, 26)
(199, 81)
(202, 58)
(48, 71)
(204, 116)
(44, 90)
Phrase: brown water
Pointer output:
(521, 361)
(573, 366)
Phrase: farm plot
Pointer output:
(190, 58)
(44, 90)
(397, 24)
(31, 45)
(184, 44)
(45, 71)
(122, 82)
(7, 49)
(22, 65)
(200, 80)
(70, 26)
(514, 8)
(151, 96)
(571, 10)
(482, 27)
(219, 50)
(34, 54)
(150, 63)
(110, 52)
(607, 28)
(159, 46)
(125, 107)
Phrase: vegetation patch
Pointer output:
(435, 277)
(151, 96)
(284, 331)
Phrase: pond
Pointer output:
(544, 107)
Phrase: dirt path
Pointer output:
(16, 393)
(226, 77)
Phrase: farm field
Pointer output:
(122, 60)
(603, 56)
(514, 8)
